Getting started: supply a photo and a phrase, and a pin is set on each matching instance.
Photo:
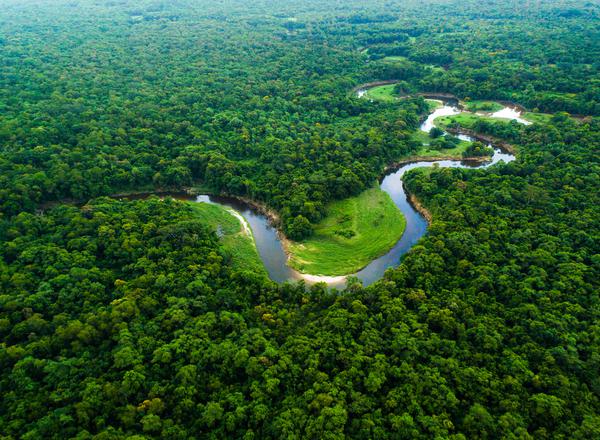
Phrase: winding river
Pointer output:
(270, 247)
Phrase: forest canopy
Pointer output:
(134, 318)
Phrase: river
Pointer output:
(274, 258)
(271, 250)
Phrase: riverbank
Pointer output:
(486, 139)
(235, 235)
(259, 207)
(414, 159)
(416, 203)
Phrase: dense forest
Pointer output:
(131, 318)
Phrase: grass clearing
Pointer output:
(466, 120)
(539, 118)
(434, 104)
(394, 59)
(233, 236)
(382, 93)
(426, 152)
(483, 106)
(421, 137)
(354, 232)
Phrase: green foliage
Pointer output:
(193, 107)
(131, 320)
(436, 132)
(483, 106)
(447, 142)
(299, 229)
(88, 294)
(500, 236)
(478, 149)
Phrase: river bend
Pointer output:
(271, 250)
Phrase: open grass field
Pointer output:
(421, 137)
(236, 240)
(434, 104)
(354, 232)
(425, 152)
(394, 59)
(539, 118)
(382, 93)
(483, 106)
(466, 120)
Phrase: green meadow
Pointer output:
(382, 93)
(355, 231)
(237, 241)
